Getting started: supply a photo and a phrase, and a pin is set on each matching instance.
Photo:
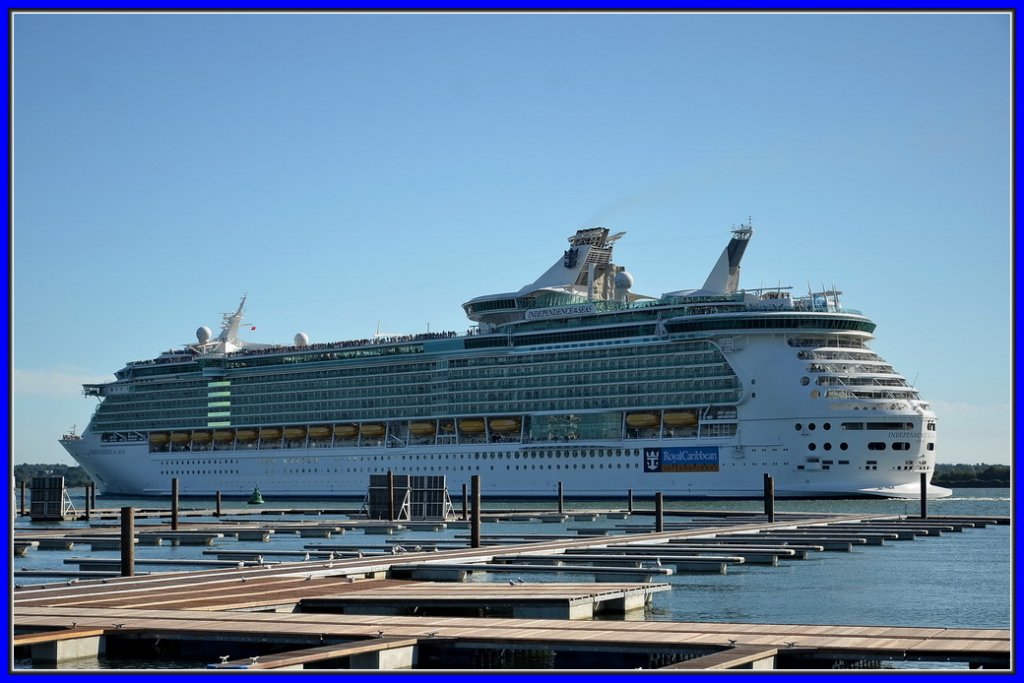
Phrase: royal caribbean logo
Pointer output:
(686, 459)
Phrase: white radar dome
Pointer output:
(623, 280)
(203, 334)
(301, 339)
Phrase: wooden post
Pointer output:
(629, 501)
(128, 541)
(474, 524)
(88, 509)
(174, 504)
(769, 497)
(659, 512)
(92, 487)
(561, 499)
(23, 485)
(924, 495)
(391, 496)
(465, 504)
(217, 514)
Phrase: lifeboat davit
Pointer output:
(158, 438)
(295, 433)
(471, 426)
(222, 436)
(319, 432)
(448, 427)
(270, 433)
(180, 437)
(345, 431)
(502, 424)
(200, 437)
(371, 430)
(681, 419)
(246, 434)
(422, 428)
(643, 420)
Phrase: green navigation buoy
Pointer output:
(256, 498)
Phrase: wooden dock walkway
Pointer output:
(347, 611)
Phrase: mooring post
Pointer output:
(92, 487)
(474, 524)
(924, 495)
(88, 509)
(127, 541)
(629, 501)
(769, 497)
(659, 512)
(465, 503)
(391, 496)
(217, 514)
(23, 485)
(174, 504)
(561, 498)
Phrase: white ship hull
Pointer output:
(571, 380)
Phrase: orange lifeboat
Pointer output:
(246, 434)
(471, 426)
(270, 433)
(642, 420)
(295, 433)
(200, 437)
(222, 436)
(319, 432)
(345, 431)
(371, 430)
(180, 437)
(681, 419)
(158, 438)
(502, 424)
(422, 428)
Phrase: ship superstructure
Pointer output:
(573, 378)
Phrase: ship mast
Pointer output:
(229, 328)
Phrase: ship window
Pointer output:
(827, 425)
(843, 446)
(876, 446)
(798, 426)
(804, 381)
(811, 446)
(900, 446)
(827, 446)
(931, 447)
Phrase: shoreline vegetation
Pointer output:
(959, 476)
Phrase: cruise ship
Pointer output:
(574, 379)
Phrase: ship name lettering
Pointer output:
(906, 435)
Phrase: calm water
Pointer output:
(958, 580)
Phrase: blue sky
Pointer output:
(349, 171)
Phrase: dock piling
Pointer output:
(659, 512)
(474, 524)
(465, 504)
(629, 501)
(391, 496)
(769, 497)
(561, 498)
(174, 504)
(128, 541)
(88, 508)
(217, 514)
(23, 484)
(924, 495)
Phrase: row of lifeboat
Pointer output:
(341, 431)
(684, 418)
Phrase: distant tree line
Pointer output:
(73, 474)
(972, 476)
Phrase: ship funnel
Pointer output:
(725, 276)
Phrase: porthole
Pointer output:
(843, 446)
(815, 394)
(827, 425)
(827, 446)
(798, 426)
(812, 447)
(804, 381)
(811, 426)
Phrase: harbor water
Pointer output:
(956, 580)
